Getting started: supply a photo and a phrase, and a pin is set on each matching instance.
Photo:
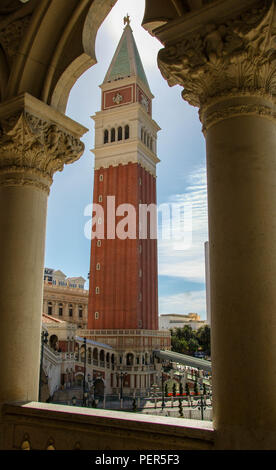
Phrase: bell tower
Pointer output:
(123, 271)
(123, 291)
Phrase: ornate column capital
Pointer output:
(234, 56)
(35, 142)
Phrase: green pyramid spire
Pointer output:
(126, 61)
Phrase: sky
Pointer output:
(181, 174)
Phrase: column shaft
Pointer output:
(241, 169)
(22, 240)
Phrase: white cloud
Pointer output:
(186, 302)
(188, 263)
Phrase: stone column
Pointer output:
(228, 70)
(35, 141)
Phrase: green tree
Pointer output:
(193, 345)
(203, 336)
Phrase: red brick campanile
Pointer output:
(123, 290)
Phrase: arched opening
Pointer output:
(60, 309)
(129, 359)
(112, 134)
(95, 356)
(127, 131)
(105, 136)
(70, 310)
(80, 311)
(99, 387)
(89, 355)
(120, 133)
(53, 341)
(102, 357)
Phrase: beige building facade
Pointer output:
(65, 298)
(175, 320)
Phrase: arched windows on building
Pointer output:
(147, 139)
(80, 311)
(70, 310)
(112, 134)
(60, 309)
(116, 134)
(106, 136)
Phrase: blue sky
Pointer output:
(181, 174)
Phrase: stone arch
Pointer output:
(53, 342)
(102, 355)
(130, 359)
(95, 354)
(54, 48)
(99, 387)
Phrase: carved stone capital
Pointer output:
(33, 147)
(233, 56)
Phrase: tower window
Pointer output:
(97, 315)
(120, 133)
(99, 243)
(112, 134)
(101, 178)
(105, 136)
(60, 309)
(97, 290)
(98, 266)
(127, 131)
(100, 198)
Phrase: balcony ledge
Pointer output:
(70, 427)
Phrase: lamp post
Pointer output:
(44, 340)
(121, 376)
(163, 398)
(74, 401)
(84, 376)
(201, 405)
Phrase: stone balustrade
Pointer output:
(69, 427)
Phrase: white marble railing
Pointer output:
(70, 427)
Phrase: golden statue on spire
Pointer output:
(127, 19)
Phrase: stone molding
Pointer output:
(233, 57)
(33, 148)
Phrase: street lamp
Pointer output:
(74, 401)
(163, 399)
(84, 376)
(44, 340)
(201, 405)
(121, 376)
